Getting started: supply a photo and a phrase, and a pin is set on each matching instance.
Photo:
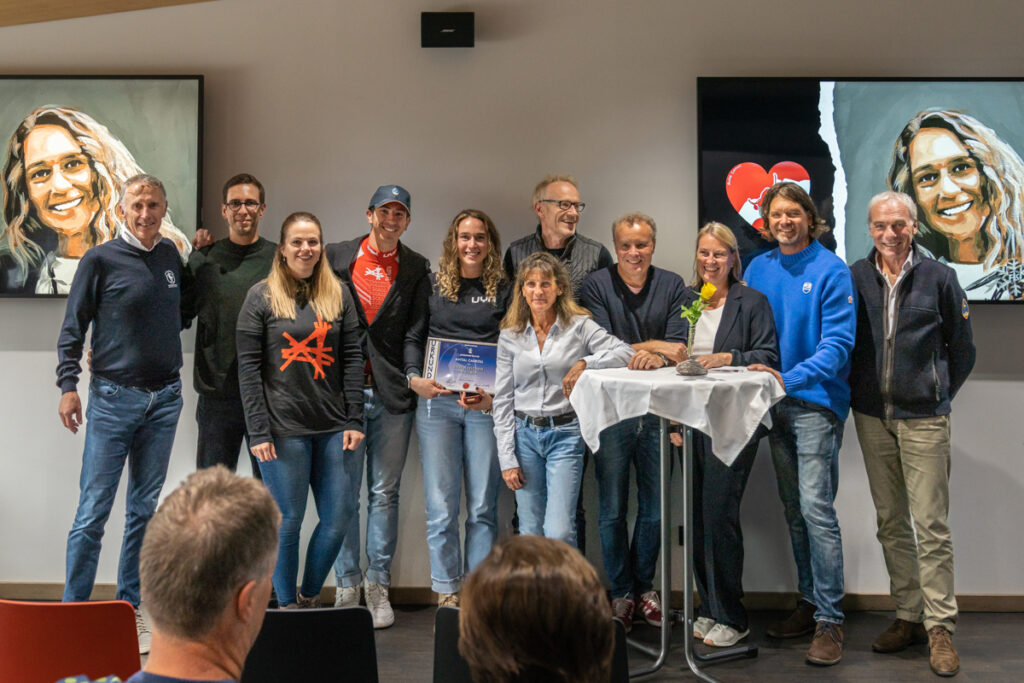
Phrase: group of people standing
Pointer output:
(315, 355)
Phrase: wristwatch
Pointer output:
(408, 379)
(663, 357)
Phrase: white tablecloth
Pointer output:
(727, 403)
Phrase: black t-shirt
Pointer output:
(473, 318)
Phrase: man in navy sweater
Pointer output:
(639, 304)
(811, 295)
(914, 351)
(130, 290)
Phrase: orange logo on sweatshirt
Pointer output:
(316, 355)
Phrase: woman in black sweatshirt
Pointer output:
(300, 371)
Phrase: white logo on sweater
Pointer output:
(376, 272)
(807, 288)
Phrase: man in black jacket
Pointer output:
(913, 353)
(389, 279)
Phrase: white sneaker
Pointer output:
(346, 596)
(378, 604)
(702, 627)
(142, 629)
(724, 636)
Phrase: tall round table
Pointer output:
(728, 404)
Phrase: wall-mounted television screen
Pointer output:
(71, 142)
(955, 146)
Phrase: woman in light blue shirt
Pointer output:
(546, 342)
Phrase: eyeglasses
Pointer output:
(565, 204)
(236, 204)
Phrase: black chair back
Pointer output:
(449, 666)
(314, 645)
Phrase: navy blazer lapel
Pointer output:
(729, 316)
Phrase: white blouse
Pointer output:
(529, 379)
(707, 328)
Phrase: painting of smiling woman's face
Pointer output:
(947, 184)
(60, 184)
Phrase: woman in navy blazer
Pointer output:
(737, 328)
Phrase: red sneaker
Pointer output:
(650, 607)
(622, 609)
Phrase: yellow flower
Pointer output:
(707, 291)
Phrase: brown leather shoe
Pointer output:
(827, 647)
(942, 656)
(899, 635)
(799, 623)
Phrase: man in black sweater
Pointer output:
(639, 304)
(130, 290)
(224, 271)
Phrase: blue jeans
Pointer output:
(320, 463)
(805, 441)
(385, 448)
(552, 462)
(630, 567)
(455, 445)
(122, 423)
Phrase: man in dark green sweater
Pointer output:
(224, 271)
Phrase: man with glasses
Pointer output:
(224, 271)
(556, 201)
(388, 279)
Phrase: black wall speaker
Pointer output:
(446, 29)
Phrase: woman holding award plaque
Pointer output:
(547, 341)
(468, 298)
(736, 328)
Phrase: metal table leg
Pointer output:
(688, 550)
(666, 560)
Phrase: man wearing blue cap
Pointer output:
(388, 279)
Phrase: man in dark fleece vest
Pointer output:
(556, 201)
(130, 290)
(224, 271)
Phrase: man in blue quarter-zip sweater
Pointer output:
(914, 351)
(811, 295)
(131, 291)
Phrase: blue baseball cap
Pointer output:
(386, 194)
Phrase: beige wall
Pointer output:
(324, 100)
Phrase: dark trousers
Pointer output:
(717, 536)
(221, 429)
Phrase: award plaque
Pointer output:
(460, 365)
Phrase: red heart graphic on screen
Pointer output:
(747, 183)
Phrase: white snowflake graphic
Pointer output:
(376, 272)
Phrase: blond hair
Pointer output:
(723, 234)
(212, 535)
(566, 307)
(283, 288)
